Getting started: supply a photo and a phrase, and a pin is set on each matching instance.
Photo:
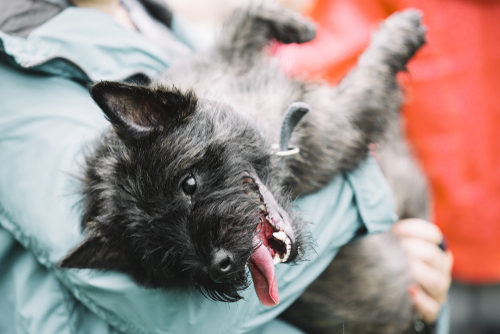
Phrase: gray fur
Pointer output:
(215, 117)
(400, 168)
(334, 136)
(365, 288)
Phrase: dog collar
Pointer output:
(293, 115)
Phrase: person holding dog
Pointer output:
(47, 116)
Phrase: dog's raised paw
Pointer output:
(399, 37)
(409, 24)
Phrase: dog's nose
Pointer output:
(222, 267)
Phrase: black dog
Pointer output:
(186, 189)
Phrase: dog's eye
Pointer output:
(189, 185)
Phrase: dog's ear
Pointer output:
(134, 111)
(95, 252)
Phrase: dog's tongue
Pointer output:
(264, 280)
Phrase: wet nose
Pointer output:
(222, 266)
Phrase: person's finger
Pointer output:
(418, 228)
(426, 306)
(427, 252)
(433, 281)
(451, 259)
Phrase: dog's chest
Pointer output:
(263, 93)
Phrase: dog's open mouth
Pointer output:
(276, 241)
(273, 241)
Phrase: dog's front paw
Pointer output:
(400, 36)
(407, 26)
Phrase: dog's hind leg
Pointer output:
(248, 30)
(364, 290)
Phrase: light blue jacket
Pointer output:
(46, 119)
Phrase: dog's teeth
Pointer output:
(280, 235)
(276, 259)
(263, 208)
(287, 241)
(288, 247)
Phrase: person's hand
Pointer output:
(430, 266)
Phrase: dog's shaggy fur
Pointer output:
(186, 181)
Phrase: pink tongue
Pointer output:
(264, 280)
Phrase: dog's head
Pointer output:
(185, 191)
